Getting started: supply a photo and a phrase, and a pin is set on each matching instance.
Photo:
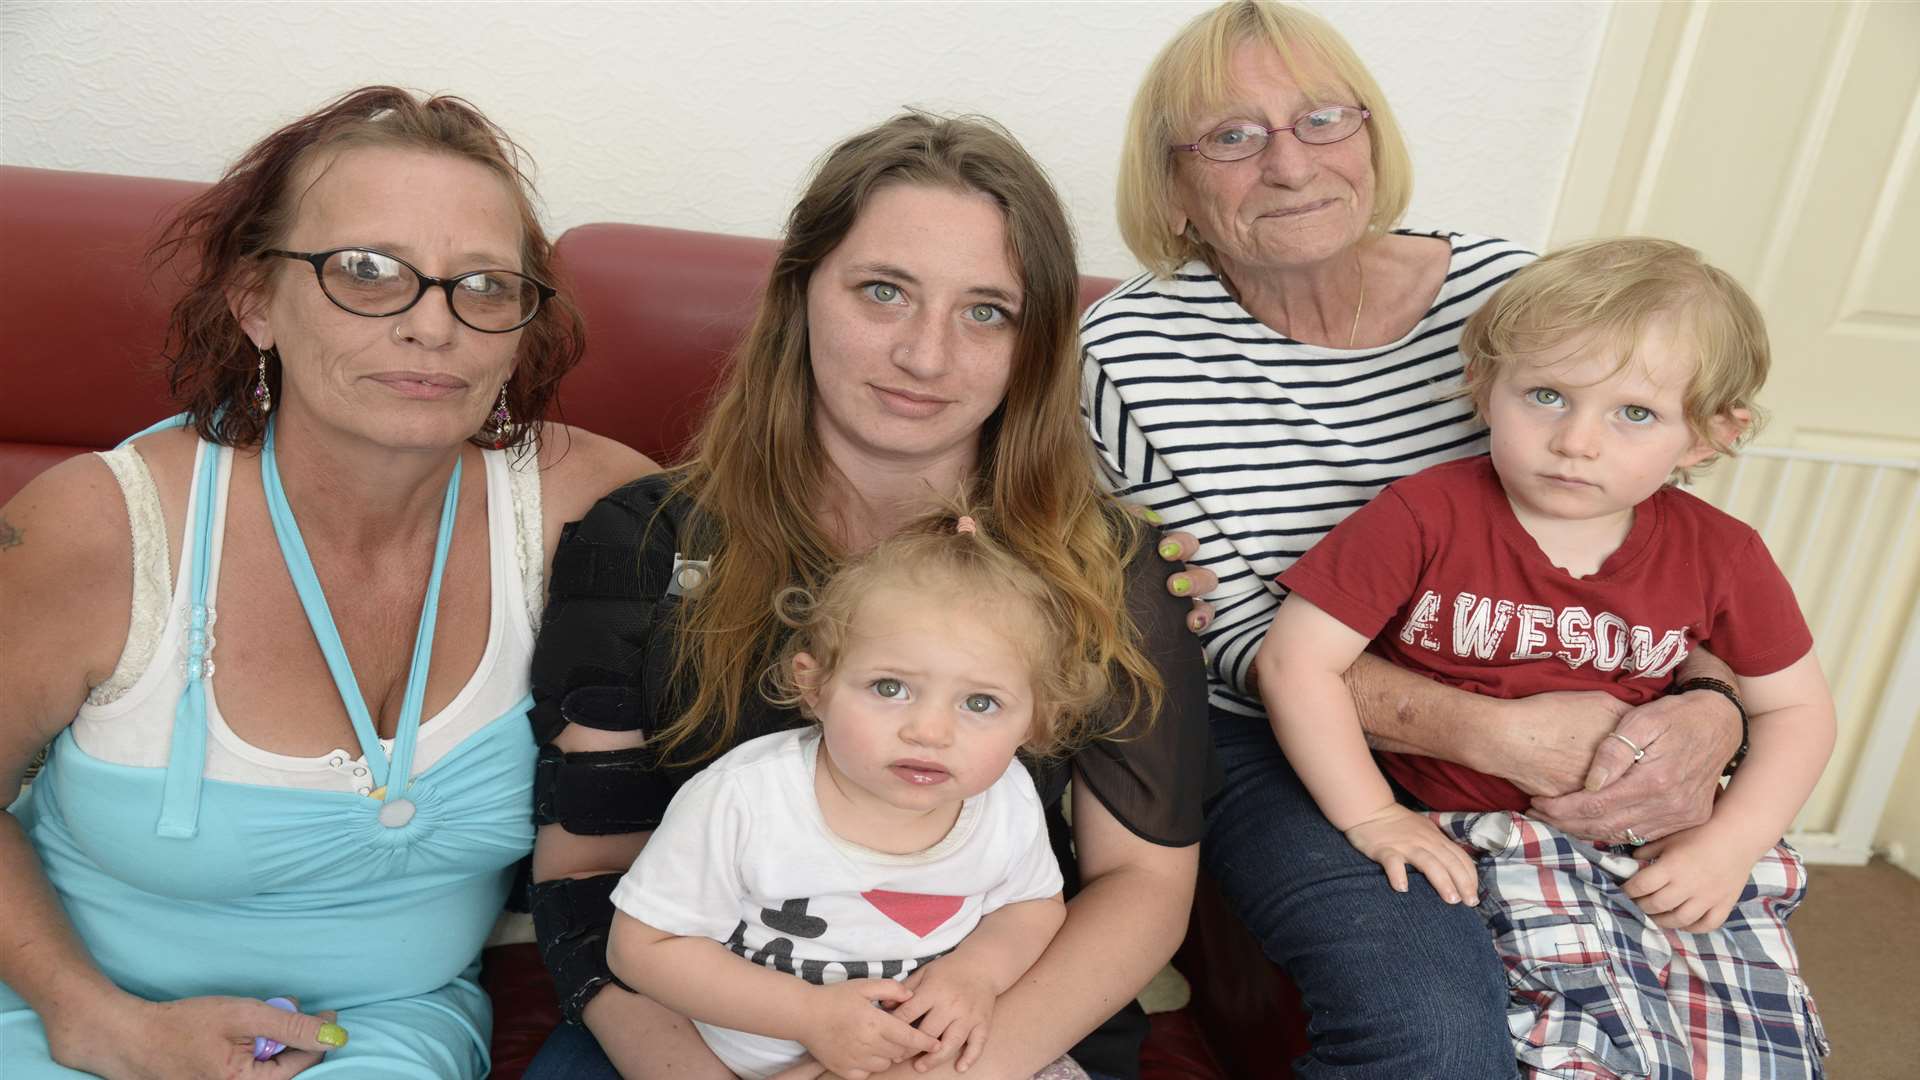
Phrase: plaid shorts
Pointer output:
(1599, 991)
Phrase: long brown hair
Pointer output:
(211, 363)
(758, 472)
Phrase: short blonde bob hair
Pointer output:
(1608, 291)
(1189, 77)
(945, 567)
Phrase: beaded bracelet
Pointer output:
(1726, 690)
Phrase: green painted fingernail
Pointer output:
(1151, 515)
(1181, 585)
(1170, 549)
(332, 1035)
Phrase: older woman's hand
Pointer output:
(1687, 740)
(1189, 581)
(1549, 741)
(193, 1038)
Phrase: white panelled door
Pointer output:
(1783, 141)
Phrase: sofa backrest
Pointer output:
(664, 307)
(80, 363)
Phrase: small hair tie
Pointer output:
(964, 525)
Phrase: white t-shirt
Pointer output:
(743, 856)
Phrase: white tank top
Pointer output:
(128, 718)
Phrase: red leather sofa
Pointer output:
(80, 369)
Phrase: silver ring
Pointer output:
(1634, 838)
(1631, 745)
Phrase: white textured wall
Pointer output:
(705, 115)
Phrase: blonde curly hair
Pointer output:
(935, 556)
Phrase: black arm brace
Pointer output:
(571, 917)
(599, 792)
(602, 662)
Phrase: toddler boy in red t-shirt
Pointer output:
(1565, 560)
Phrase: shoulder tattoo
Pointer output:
(10, 537)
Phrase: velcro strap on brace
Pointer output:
(605, 708)
(599, 792)
(571, 918)
(597, 706)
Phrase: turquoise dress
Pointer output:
(182, 885)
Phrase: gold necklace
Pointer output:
(1360, 265)
(1353, 333)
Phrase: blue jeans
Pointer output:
(1397, 985)
(572, 1053)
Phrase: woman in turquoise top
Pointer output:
(301, 766)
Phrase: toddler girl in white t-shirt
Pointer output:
(898, 831)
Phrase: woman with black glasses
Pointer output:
(291, 752)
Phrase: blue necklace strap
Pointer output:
(177, 420)
(187, 749)
(390, 775)
(413, 701)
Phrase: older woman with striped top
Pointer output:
(1287, 354)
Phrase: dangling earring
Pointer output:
(262, 394)
(499, 421)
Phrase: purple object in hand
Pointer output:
(263, 1047)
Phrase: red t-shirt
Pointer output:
(1443, 577)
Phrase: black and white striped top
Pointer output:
(1259, 444)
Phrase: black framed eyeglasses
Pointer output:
(1237, 142)
(377, 285)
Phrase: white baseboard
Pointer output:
(1827, 849)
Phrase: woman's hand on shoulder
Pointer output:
(193, 1038)
(1188, 580)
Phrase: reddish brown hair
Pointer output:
(211, 363)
